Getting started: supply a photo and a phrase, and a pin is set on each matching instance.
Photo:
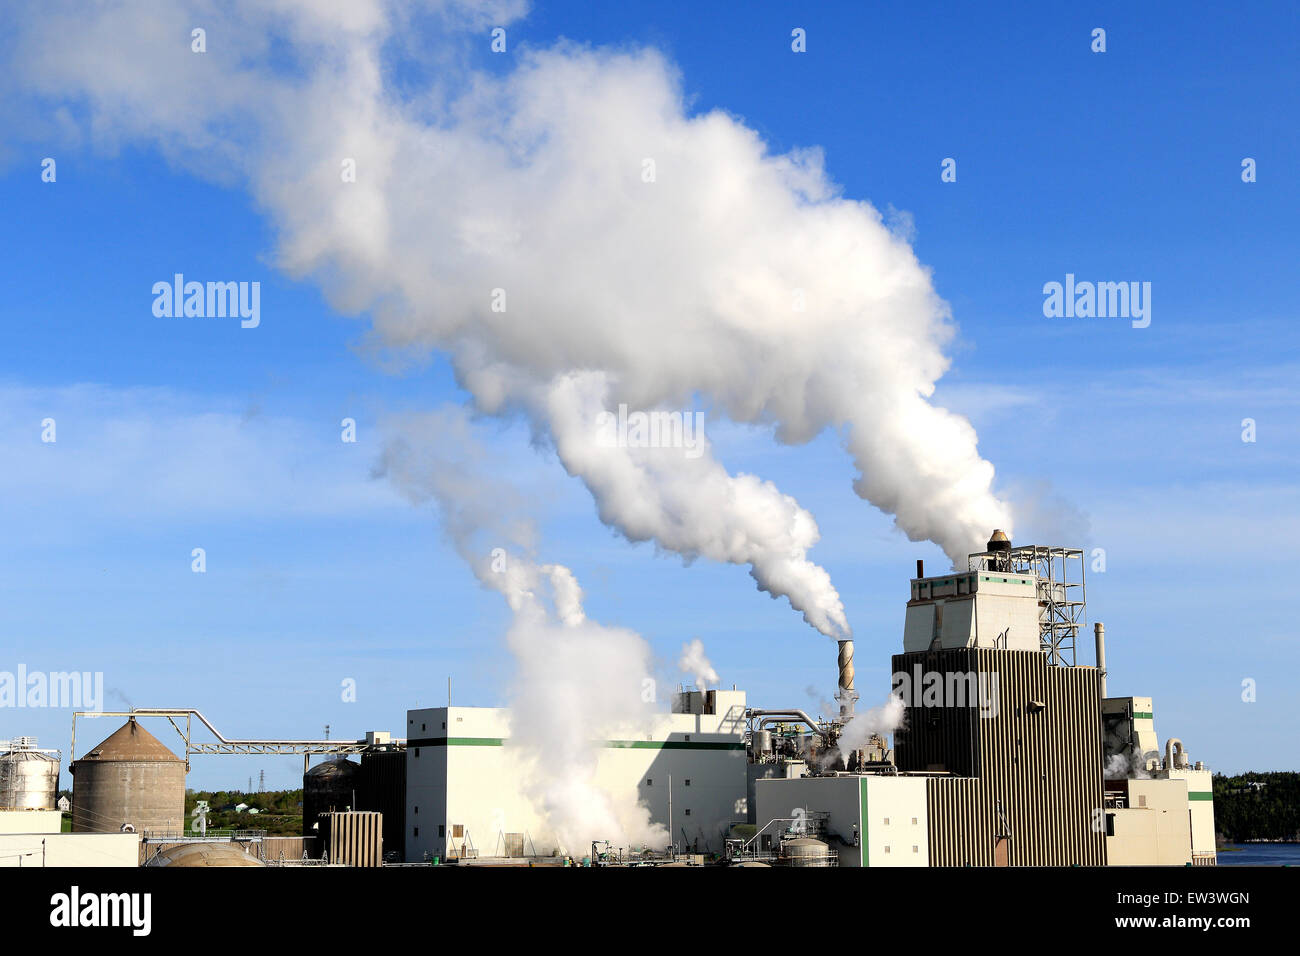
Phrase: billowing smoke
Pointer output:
(570, 235)
(696, 665)
(884, 719)
(576, 682)
(1130, 764)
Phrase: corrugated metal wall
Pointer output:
(356, 838)
(1045, 766)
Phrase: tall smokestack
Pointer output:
(1099, 632)
(847, 696)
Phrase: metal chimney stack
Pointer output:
(1099, 632)
(846, 696)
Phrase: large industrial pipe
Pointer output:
(847, 696)
(1099, 633)
(1175, 746)
(774, 716)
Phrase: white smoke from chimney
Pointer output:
(694, 663)
(576, 682)
(574, 239)
(884, 719)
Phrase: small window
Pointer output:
(913, 821)
(417, 810)
(688, 736)
(1142, 800)
(649, 782)
(457, 831)
(442, 830)
(915, 849)
(886, 821)
(688, 781)
(417, 831)
(424, 726)
(1110, 824)
(417, 751)
(886, 849)
(444, 725)
(688, 812)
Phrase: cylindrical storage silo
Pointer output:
(805, 851)
(29, 778)
(130, 780)
(328, 787)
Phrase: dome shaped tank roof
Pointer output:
(130, 742)
(329, 768)
(204, 854)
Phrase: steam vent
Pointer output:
(130, 781)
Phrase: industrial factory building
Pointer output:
(467, 791)
(1006, 751)
(1010, 753)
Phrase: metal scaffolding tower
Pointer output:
(1062, 603)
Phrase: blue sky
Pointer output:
(175, 434)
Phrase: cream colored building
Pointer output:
(871, 820)
(1152, 829)
(471, 792)
(30, 821)
(1160, 809)
(995, 609)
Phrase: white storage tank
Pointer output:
(29, 778)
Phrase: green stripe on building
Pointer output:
(1199, 795)
(617, 744)
(1142, 715)
(862, 824)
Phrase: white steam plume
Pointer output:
(570, 236)
(885, 719)
(695, 664)
(576, 682)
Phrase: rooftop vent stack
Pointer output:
(999, 548)
(1099, 632)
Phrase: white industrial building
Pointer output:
(468, 793)
(867, 820)
(31, 838)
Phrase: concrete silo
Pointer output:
(131, 779)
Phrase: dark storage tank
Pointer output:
(329, 786)
(129, 780)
